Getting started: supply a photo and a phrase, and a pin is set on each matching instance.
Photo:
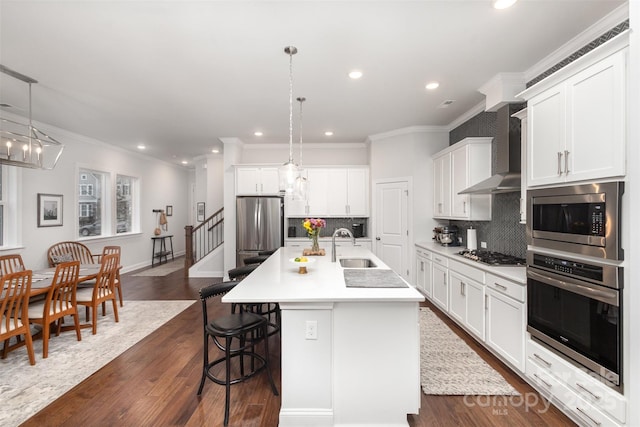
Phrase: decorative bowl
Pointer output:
(302, 264)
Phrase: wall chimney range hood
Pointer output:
(507, 176)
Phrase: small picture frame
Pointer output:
(169, 210)
(200, 211)
(49, 210)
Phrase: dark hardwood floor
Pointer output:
(154, 383)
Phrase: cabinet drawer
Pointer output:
(467, 270)
(589, 415)
(507, 287)
(440, 259)
(423, 253)
(588, 388)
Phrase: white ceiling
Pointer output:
(178, 75)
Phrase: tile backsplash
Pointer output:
(503, 233)
(332, 224)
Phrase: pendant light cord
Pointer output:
(301, 100)
(291, 107)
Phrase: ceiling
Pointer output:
(178, 75)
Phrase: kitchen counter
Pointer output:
(333, 337)
(515, 273)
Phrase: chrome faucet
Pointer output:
(341, 232)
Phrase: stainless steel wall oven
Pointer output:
(582, 219)
(575, 307)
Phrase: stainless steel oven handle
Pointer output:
(580, 288)
(588, 417)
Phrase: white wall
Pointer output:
(407, 153)
(161, 184)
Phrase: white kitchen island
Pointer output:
(364, 366)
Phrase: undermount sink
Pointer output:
(357, 263)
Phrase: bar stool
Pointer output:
(258, 259)
(270, 310)
(269, 252)
(248, 328)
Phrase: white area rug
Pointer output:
(26, 389)
(162, 270)
(448, 366)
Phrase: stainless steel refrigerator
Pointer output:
(259, 225)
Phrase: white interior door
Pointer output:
(392, 239)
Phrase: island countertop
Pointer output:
(277, 279)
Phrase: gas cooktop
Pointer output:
(492, 258)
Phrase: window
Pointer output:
(91, 202)
(125, 203)
(9, 193)
(106, 206)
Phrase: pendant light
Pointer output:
(288, 172)
(301, 185)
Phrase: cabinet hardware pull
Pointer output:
(464, 207)
(588, 417)
(438, 259)
(541, 359)
(566, 162)
(421, 265)
(503, 287)
(559, 163)
(261, 188)
(256, 187)
(486, 302)
(595, 396)
(542, 381)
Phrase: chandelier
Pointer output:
(288, 172)
(21, 144)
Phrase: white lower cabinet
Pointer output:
(466, 303)
(506, 327)
(424, 271)
(440, 283)
(585, 398)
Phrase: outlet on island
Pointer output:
(311, 330)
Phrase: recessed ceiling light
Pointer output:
(355, 74)
(215, 150)
(503, 4)
(328, 133)
(184, 162)
(141, 147)
(432, 85)
(257, 133)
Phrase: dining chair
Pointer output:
(102, 290)
(59, 302)
(248, 328)
(116, 281)
(70, 251)
(11, 263)
(14, 302)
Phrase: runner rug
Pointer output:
(162, 270)
(26, 389)
(448, 366)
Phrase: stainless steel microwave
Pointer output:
(581, 219)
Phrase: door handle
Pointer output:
(566, 162)
(559, 163)
(377, 238)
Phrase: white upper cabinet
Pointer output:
(576, 124)
(334, 192)
(257, 180)
(459, 167)
(524, 124)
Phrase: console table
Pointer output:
(163, 251)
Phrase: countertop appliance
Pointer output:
(446, 235)
(259, 225)
(358, 230)
(575, 308)
(580, 219)
(492, 258)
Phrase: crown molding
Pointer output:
(407, 131)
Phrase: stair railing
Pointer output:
(203, 239)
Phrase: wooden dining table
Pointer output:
(41, 279)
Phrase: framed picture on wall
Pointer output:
(200, 211)
(49, 210)
(169, 210)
